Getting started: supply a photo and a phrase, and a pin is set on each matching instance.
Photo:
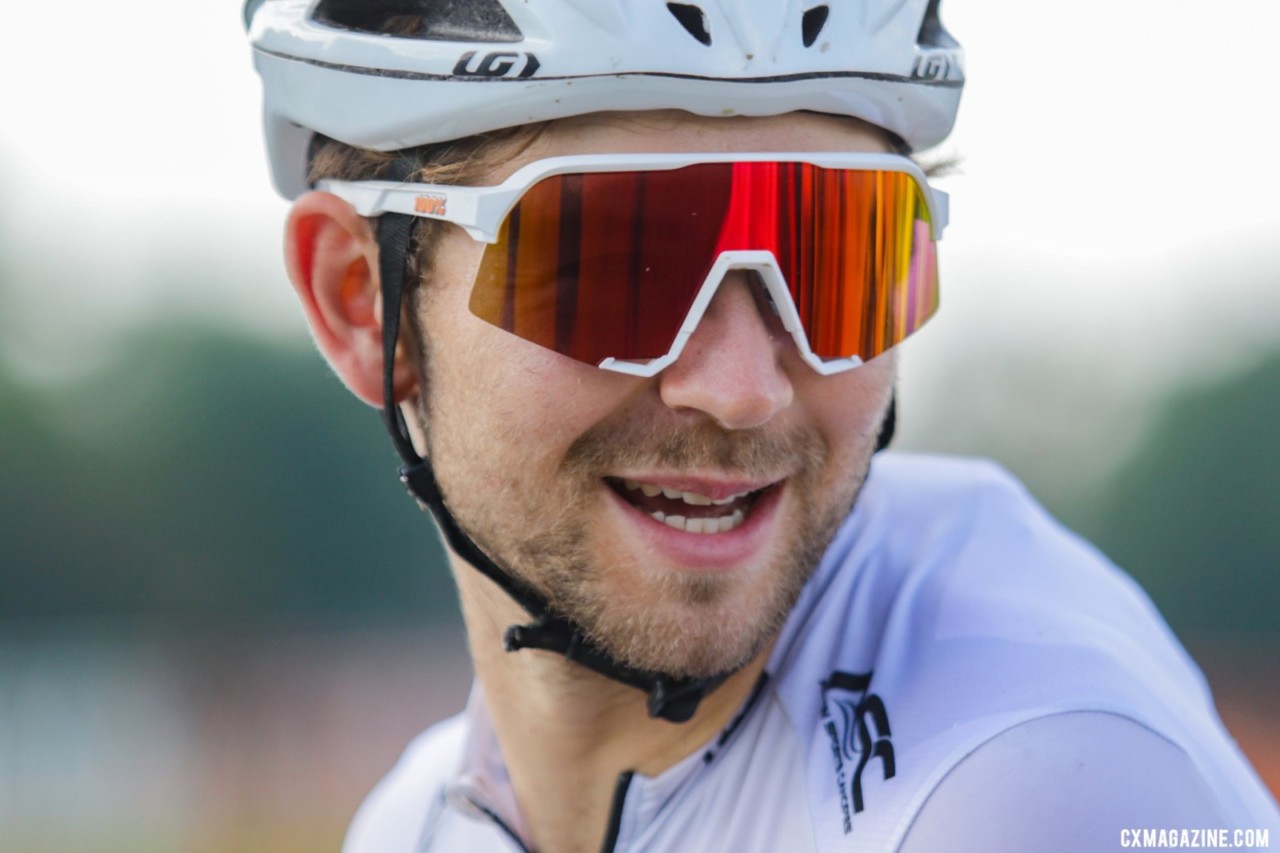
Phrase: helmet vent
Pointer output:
(812, 23)
(436, 20)
(692, 19)
(932, 33)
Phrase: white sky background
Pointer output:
(1115, 219)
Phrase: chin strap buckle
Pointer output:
(545, 633)
(420, 482)
(676, 700)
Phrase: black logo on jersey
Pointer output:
(858, 725)
(499, 64)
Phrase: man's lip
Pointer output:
(714, 488)
(668, 548)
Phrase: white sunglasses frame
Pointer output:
(480, 212)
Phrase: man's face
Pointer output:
(577, 479)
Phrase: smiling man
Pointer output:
(652, 262)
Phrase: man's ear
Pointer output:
(332, 256)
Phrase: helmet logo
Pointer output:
(497, 64)
(938, 65)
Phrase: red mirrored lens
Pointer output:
(608, 264)
(855, 247)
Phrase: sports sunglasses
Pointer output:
(612, 259)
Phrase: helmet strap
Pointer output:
(889, 424)
(669, 698)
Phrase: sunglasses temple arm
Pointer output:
(470, 208)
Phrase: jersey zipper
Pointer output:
(615, 811)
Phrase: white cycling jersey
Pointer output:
(959, 674)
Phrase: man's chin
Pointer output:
(694, 626)
(690, 656)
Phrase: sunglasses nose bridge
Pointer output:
(764, 265)
(769, 272)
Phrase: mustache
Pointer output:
(626, 441)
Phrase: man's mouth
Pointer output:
(690, 511)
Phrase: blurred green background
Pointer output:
(221, 619)
(199, 477)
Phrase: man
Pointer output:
(652, 261)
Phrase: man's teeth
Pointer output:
(723, 524)
(691, 498)
(718, 524)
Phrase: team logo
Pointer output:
(858, 725)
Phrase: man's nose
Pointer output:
(733, 366)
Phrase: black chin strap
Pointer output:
(888, 425)
(669, 698)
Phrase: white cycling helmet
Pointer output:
(392, 74)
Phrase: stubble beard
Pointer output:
(645, 615)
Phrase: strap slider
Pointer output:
(420, 483)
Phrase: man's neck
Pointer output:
(566, 733)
